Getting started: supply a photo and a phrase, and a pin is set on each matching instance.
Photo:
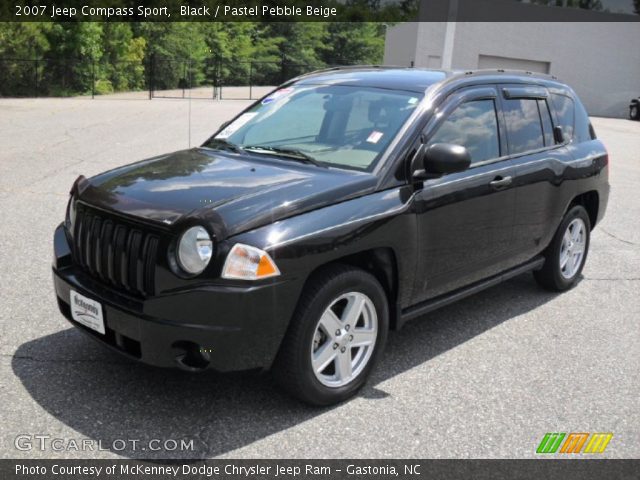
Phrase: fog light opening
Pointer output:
(191, 356)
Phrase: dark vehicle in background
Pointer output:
(338, 207)
(634, 109)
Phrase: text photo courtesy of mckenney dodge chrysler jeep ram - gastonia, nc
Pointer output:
(327, 213)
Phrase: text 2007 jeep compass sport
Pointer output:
(339, 206)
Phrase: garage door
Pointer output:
(491, 61)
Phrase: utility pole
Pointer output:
(93, 78)
(35, 64)
(250, 79)
(282, 67)
(151, 73)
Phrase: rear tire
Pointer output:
(336, 335)
(634, 112)
(566, 255)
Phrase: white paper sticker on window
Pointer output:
(375, 137)
(277, 94)
(236, 125)
(413, 100)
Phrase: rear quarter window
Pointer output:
(573, 118)
(565, 113)
(583, 130)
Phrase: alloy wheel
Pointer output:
(344, 339)
(573, 247)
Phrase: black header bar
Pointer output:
(583, 469)
(389, 11)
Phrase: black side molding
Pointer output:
(433, 304)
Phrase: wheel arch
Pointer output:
(591, 202)
(381, 262)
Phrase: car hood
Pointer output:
(239, 192)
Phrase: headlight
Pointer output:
(248, 263)
(194, 250)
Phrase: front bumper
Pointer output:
(222, 327)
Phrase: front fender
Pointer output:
(301, 244)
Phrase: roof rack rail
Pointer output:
(503, 70)
(351, 67)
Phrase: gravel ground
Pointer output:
(486, 377)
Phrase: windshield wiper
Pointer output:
(225, 144)
(291, 153)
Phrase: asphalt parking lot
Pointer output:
(486, 377)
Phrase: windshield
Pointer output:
(329, 125)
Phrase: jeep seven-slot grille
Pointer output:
(115, 253)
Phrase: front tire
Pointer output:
(634, 112)
(335, 338)
(566, 255)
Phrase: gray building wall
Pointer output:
(600, 60)
(430, 44)
(400, 43)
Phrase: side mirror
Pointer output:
(558, 135)
(441, 158)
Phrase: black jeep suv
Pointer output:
(339, 206)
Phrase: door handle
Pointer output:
(500, 182)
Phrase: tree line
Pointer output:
(70, 58)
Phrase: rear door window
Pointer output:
(524, 128)
(547, 126)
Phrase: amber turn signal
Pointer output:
(245, 262)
